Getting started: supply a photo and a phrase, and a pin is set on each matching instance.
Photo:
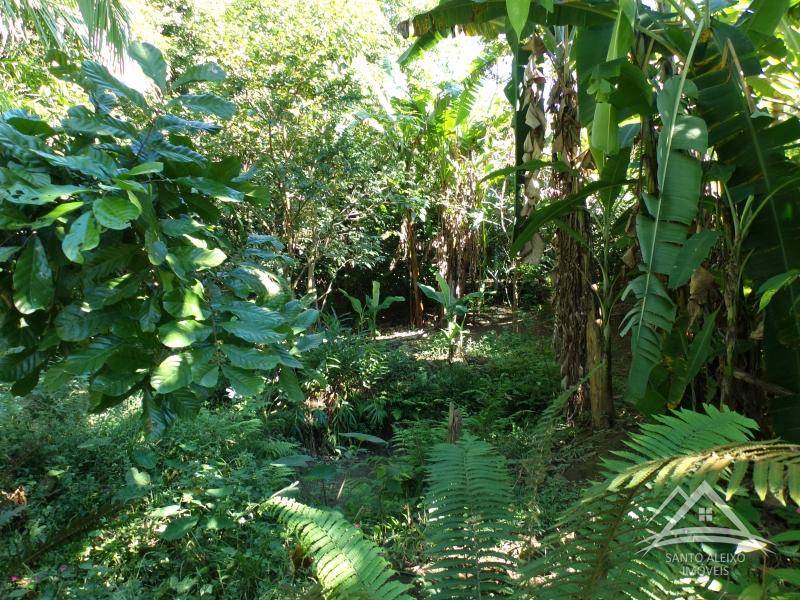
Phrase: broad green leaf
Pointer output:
(765, 15)
(175, 124)
(285, 357)
(105, 81)
(205, 370)
(179, 528)
(165, 511)
(145, 458)
(183, 403)
(152, 62)
(288, 384)
(150, 314)
(88, 165)
(23, 194)
(250, 358)
(518, 11)
(605, 130)
(137, 478)
(16, 366)
(178, 153)
(75, 325)
(83, 235)
(691, 256)
(304, 320)
(172, 374)
(183, 303)
(33, 278)
(27, 122)
(218, 522)
(432, 293)
(243, 382)
(57, 213)
(115, 384)
(156, 248)
(144, 169)
(206, 103)
(203, 72)
(662, 232)
(212, 188)
(8, 252)
(256, 332)
(91, 358)
(774, 285)
(309, 342)
(247, 311)
(296, 460)
(364, 437)
(191, 258)
(83, 121)
(115, 212)
(180, 334)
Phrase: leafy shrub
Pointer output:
(108, 516)
(454, 310)
(535, 287)
(113, 270)
(369, 309)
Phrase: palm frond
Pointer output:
(471, 85)
(95, 24)
(106, 24)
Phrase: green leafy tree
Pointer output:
(112, 269)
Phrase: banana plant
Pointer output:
(369, 309)
(455, 312)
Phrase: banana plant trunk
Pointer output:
(572, 294)
(415, 299)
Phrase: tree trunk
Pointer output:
(601, 399)
(415, 299)
(571, 282)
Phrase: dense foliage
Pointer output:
(295, 308)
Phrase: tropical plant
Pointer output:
(368, 310)
(345, 563)
(93, 24)
(715, 163)
(595, 551)
(110, 270)
(453, 309)
(469, 521)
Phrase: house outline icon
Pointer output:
(745, 540)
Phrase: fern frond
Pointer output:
(345, 563)
(598, 549)
(469, 521)
(544, 432)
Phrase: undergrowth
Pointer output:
(108, 514)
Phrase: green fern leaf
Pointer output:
(345, 563)
(470, 521)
